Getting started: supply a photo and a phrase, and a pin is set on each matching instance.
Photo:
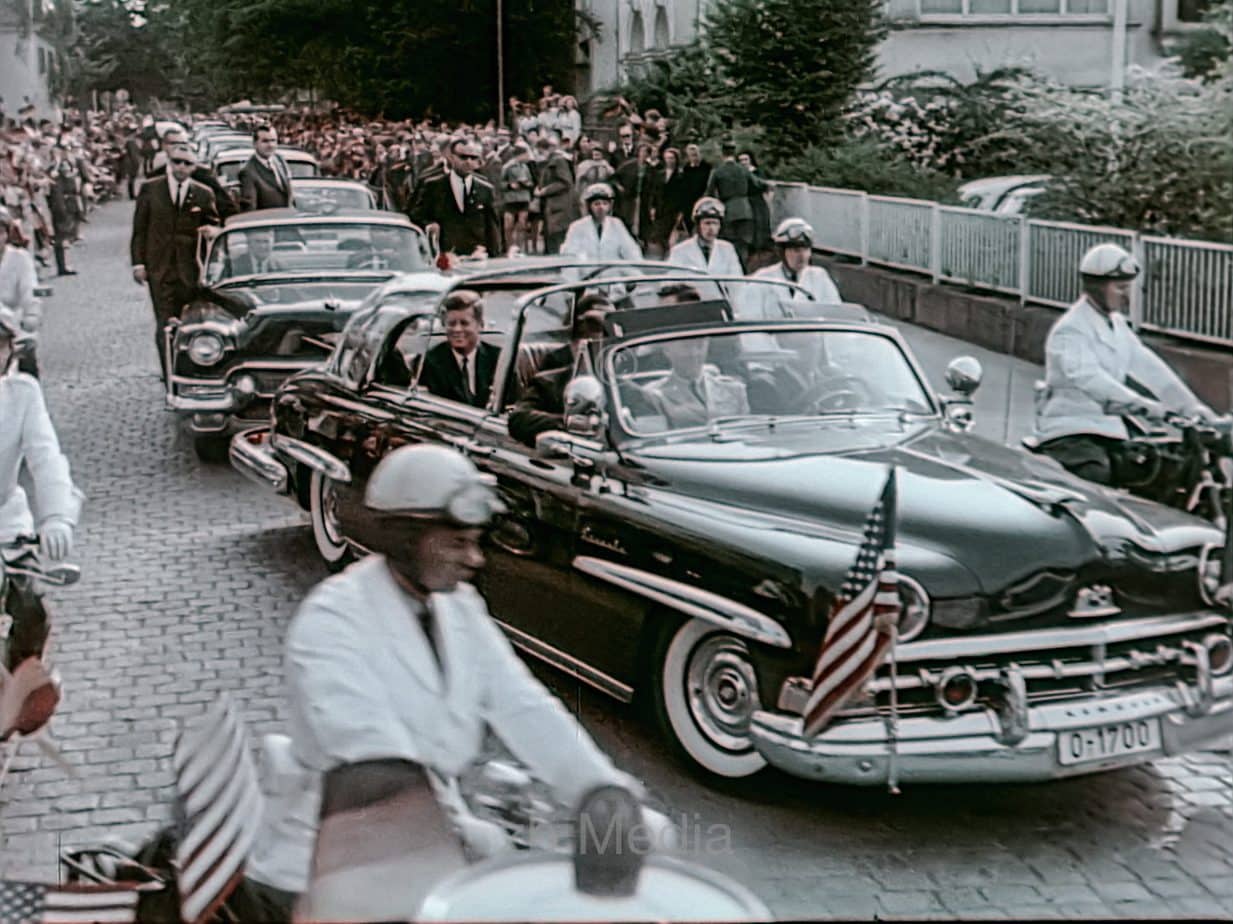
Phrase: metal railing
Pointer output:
(1186, 289)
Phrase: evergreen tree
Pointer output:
(791, 65)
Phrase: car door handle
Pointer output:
(481, 452)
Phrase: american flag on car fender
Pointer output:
(40, 903)
(221, 805)
(860, 628)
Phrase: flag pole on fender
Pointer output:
(861, 622)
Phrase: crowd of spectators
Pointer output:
(54, 171)
(655, 177)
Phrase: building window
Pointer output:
(42, 60)
(637, 34)
(1015, 7)
(1192, 10)
(662, 39)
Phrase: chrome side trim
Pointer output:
(570, 665)
(313, 456)
(1110, 633)
(693, 601)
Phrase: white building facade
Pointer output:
(1080, 42)
(27, 61)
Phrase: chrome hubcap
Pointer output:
(723, 691)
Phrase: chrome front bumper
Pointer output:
(252, 457)
(970, 748)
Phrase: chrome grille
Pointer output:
(1054, 670)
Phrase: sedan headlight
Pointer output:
(1209, 572)
(205, 349)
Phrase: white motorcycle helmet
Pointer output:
(708, 207)
(432, 483)
(1109, 261)
(597, 191)
(793, 232)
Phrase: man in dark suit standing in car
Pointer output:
(459, 204)
(170, 210)
(462, 368)
(265, 181)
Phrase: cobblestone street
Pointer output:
(190, 575)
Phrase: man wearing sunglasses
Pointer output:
(458, 207)
(1097, 370)
(170, 211)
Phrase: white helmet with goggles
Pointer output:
(793, 232)
(433, 483)
(708, 207)
(1108, 261)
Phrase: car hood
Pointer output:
(1003, 513)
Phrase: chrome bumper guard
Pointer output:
(978, 747)
(214, 404)
(252, 457)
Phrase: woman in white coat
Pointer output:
(395, 668)
(599, 235)
(705, 250)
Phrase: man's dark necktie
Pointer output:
(466, 382)
(426, 623)
(599, 230)
(791, 276)
(699, 392)
(706, 251)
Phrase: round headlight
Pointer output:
(205, 349)
(1209, 572)
(915, 603)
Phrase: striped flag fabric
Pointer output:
(40, 903)
(860, 628)
(220, 806)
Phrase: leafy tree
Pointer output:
(116, 46)
(1205, 53)
(867, 165)
(791, 65)
(1159, 160)
(391, 57)
(687, 85)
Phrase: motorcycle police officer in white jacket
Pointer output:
(1091, 356)
(599, 235)
(794, 241)
(705, 250)
(395, 667)
(27, 435)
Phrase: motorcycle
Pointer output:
(502, 817)
(29, 688)
(1184, 462)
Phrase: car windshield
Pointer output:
(784, 373)
(326, 199)
(337, 247)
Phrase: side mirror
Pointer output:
(964, 375)
(585, 408)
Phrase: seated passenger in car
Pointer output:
(542, 406)
(462, 368)
(260, 256)
(381, 252)
(694, 392)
